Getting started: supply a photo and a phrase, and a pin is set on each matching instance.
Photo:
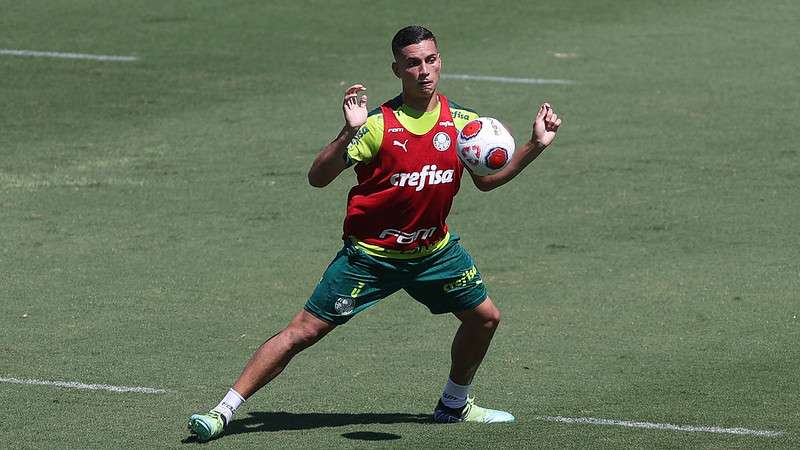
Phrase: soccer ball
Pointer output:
(485, 146)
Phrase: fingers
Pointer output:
(542, 111)
(552, 121)
(355, 89)
(352, 101)
(547, 114)
(351, 96)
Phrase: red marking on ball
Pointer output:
(471, 153)
(471, 129)
(496, 158)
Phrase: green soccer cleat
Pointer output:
(470, 413)
(206, 426)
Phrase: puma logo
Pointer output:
(401, 144)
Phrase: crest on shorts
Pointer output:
(441, 141)
(344, 306)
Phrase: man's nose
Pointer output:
(424, 70)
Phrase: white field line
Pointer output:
(13, 52)
(568, 420)
(457, 76)
(77, 385)
(660, 426)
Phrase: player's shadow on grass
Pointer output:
(283, 421)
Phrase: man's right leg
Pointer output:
(267, 362)
(351, 283)
(272, 357)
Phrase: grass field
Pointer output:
(156, 224)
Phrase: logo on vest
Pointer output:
(401, 144)
(441, 141)
(427, 176)
(408, 238)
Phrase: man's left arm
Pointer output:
(545, 127)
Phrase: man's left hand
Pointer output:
(545, 126)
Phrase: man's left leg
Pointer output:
(469, 347)
(472, 340)
(449, 282)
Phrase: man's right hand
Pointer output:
(355, 108)
(330, 161)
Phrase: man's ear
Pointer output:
(396, 69)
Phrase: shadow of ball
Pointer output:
(371, 436)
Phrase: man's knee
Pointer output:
(491, 318)
(485, 316)
(305, 330)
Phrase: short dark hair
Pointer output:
(413, 34)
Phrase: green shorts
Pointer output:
(445, 281)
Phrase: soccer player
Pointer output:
(395, 234)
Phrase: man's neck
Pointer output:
(421, 104)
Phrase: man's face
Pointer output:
(418, 67)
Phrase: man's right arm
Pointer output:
(331, 160)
